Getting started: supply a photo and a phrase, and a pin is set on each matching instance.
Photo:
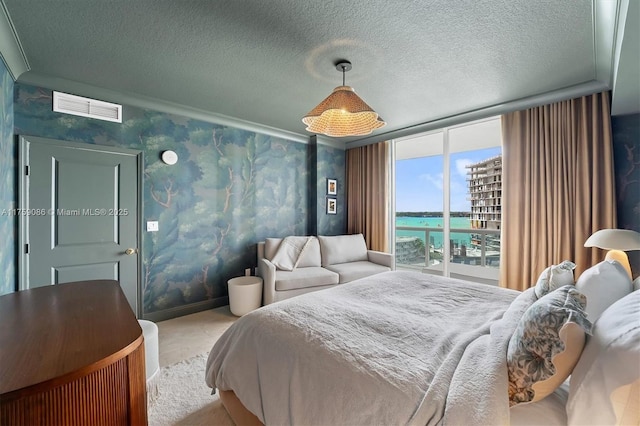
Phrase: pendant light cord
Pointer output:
(343, 71)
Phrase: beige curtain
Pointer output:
(558, 186)
(368, 195)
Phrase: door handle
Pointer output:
(130, 251)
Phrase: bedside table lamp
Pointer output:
(617, 241)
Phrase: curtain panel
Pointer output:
(558, 186)
(367, 194)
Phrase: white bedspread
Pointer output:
(394, 348)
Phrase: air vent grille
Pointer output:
(86, 107)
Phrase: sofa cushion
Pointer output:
(342, 249)
(355, 270)
(288, 255)
(271, 247)
(310, 256)
(304, 278)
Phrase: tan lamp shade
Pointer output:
(343, 113)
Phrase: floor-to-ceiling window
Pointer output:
(448, 188)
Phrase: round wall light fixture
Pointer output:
(169, 157)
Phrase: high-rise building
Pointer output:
(485, 194)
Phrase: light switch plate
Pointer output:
(152, 226)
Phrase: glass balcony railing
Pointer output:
(421, 247)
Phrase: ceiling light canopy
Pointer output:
(343, 112)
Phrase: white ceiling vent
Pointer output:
(85, 107)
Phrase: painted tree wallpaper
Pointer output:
(626, 156)
(626, 150)
(8, 182)
(230, 189)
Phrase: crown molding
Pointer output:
(11, 50)
(135, 100)
(132, 99)
(606, 22)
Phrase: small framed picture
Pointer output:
(332, 206)
(332, 187)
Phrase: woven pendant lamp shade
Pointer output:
(343, 112)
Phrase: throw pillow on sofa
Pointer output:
(289, 252)
(343, 249)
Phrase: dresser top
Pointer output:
(49, 333)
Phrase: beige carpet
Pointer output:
(185, 399)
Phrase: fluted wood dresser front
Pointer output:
(71, 354)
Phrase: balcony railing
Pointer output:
(485, 254)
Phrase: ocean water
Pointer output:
(435, 222)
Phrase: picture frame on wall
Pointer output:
(332, 187)
(332, 206)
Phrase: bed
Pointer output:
(394, 348)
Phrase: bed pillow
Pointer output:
(554, 277)
(546, 345)
(609, 364)
(603, 284)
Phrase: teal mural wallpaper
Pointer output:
(329, 161)
(230, 189)
(8, 182)
(626, 157)
(626, 154)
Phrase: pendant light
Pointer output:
(343, 112)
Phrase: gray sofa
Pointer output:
(326, 261)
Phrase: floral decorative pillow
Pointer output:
(554, 277)
(546, 344)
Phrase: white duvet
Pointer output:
(394, 348)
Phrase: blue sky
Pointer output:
(419, 181)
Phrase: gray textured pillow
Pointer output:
(603, 284)
(554, 277)
(546, 345)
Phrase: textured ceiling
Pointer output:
(270, 62)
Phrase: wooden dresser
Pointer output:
(71, 354)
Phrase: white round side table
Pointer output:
(245, 294)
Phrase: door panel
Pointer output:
(82, 214)
(87, 227)
(67, 274)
